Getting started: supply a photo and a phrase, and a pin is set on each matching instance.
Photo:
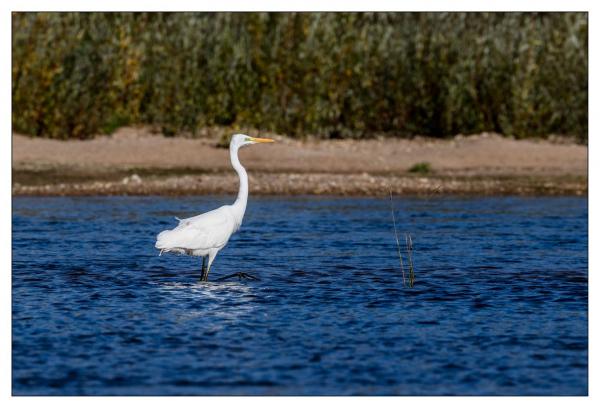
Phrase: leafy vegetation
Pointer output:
(325, 74)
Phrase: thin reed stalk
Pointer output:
(397, 240)
(411, 269)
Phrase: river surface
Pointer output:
(499, 304)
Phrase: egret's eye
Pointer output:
(248, 139)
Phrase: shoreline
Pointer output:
(313, 184)
(136, 162)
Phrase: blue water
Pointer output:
(499, 305)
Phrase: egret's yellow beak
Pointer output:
(261, 140)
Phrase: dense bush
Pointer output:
(326, 74)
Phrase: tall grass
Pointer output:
(325, 74)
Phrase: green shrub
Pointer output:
(325, 74)
(420, 168)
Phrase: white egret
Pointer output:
(206, 234)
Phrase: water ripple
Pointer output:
(499, 305)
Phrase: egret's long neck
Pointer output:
(242, 198)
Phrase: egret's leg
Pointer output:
(211, 257)
(204, 277)
(206, 263)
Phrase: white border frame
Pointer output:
(306, 5)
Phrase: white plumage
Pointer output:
(206, 234)
(200, 234)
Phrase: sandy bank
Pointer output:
(134, 161)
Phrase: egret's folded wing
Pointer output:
(210, 230)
